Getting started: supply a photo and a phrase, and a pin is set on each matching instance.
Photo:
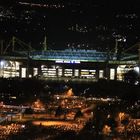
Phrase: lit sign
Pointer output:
(68, 61)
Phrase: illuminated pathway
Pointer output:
(67, 125)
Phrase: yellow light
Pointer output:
(106, 129)
(69, 92)
(121, 115)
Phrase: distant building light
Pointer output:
(23, 126)
(58, 97)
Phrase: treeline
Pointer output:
(102, 88)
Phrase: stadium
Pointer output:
(19, 59)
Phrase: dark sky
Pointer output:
(85, 24)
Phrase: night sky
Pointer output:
(73, 24)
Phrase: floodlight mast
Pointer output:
(45, 44)
(139, 58)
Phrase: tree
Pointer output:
(112, 123)
(99, 119)
(125, 122)
(59, 111)
(78, 114)
(131, 77)
(28, 111)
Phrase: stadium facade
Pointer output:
(69, 63)
(80, 64)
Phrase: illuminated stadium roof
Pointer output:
(72, 55)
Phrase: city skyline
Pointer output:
(78, 25)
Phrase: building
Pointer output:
(69, 64)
